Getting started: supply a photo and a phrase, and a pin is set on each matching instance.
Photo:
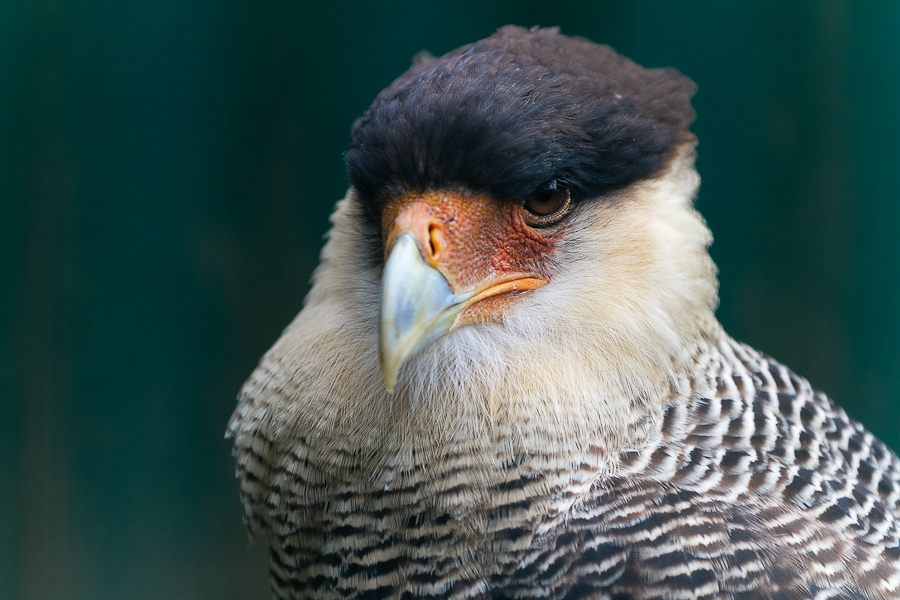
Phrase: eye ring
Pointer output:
(547, 206)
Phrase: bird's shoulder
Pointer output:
(646, 539)
(757, 486)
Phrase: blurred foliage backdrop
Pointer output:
(167, 168)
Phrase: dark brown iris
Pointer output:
(547, 206)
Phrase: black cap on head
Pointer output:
(513, 112)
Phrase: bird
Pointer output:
(508, 379)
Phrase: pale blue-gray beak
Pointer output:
(417, 307)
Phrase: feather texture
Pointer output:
(755, 487)
(605, 439)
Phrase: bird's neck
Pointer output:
(333, 410)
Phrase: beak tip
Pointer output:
(388, 373)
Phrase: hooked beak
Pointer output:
(417, 306)
(442, 259)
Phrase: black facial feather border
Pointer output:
(508, 114)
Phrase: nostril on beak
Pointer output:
(435, 240)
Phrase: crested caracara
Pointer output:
(508, 381)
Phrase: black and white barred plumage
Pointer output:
(758, 487)
(602, 437)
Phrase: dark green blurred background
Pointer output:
(166, 172)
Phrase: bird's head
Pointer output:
(519, 230)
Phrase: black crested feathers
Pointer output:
(510, 113)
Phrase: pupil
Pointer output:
(547, 202)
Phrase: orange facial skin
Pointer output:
(478, 243)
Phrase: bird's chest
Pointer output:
(447, 530)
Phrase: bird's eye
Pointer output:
(547, 206)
